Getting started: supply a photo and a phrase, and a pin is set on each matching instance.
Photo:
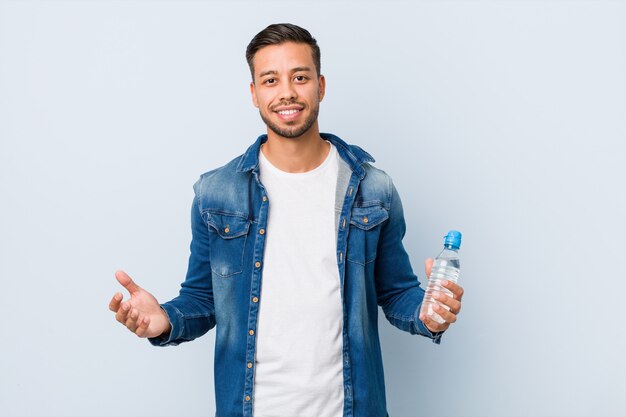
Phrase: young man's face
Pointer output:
(286, 88)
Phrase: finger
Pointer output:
(142, 329)
(114, 305)
(455, 305)
(428, 266)
(434, 326)
(456, 289)
(127, 282)
(122, 313)
(443, 312)
(131, 321)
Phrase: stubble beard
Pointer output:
(295, 131)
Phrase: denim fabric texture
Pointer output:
(222, 288)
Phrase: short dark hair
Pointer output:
(278, 33)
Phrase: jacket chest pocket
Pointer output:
(365, 224)
(227, 234)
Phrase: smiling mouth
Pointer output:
(288, 112)
(288, 115)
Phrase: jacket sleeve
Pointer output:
(398, 289)
(192, 313)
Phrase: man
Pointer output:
(295, 244)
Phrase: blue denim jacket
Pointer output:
(223, 284)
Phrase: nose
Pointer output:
(287, 91)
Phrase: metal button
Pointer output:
(251, 332)
(264, 199)
(262, 231)
(227, 229)
(247, 398)
(249, 365)
(257, 264)
(255, 299)
(365, 220)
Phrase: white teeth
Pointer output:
(285, 112)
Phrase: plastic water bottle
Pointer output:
(446, 267)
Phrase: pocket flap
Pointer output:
(368, 217)
(228, 226)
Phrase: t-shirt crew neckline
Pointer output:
(268, 165)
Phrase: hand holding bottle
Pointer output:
(453, 303)
(442, 299)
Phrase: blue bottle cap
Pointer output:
(453, 238)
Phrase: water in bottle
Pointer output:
(445, 267)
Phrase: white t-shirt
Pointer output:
(299, 370)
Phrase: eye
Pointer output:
(301, 78)
(269, 81)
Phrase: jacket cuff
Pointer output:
(176, 327)
(421, 328)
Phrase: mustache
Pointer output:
(287, 103)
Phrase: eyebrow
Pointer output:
(274, 72)
(264, 73)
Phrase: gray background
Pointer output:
(505, 120)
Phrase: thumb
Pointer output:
(428, 266)
(127, 282)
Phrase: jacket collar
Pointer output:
(352, 154)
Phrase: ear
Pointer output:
(253, 94)
(322, 87)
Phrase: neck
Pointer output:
(295, 155)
